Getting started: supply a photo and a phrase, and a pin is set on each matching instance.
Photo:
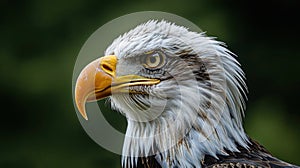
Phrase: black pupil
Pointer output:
(153, 59)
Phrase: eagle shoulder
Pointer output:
(254, 157)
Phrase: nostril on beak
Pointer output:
(108, 69)
(108, 64)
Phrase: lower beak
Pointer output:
(98, 80)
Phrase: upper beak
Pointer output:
(98, 80)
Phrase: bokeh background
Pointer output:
(40, 41)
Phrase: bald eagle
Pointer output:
(183, 95)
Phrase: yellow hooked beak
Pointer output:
(98, 80)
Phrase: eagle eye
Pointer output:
(154, 59)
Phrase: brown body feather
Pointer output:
(254, 157)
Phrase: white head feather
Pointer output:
(182, 118)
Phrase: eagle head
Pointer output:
(175, 87)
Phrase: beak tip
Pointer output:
(83, 114)
(81, 109)
(80, 103)
(85, 117)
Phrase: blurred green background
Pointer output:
(40, 41)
